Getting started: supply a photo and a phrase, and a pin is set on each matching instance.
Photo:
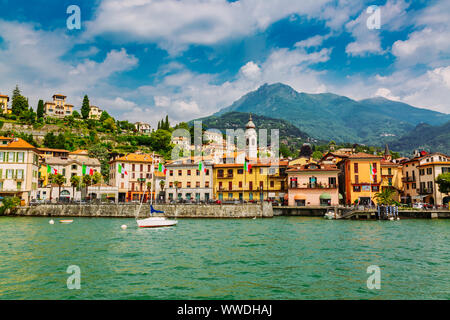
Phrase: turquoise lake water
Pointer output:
(279, 258)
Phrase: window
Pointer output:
(197, 184)
(10, 156)
(142, 167)
(356, 168)
(356, 188)
(375, 188)
(20, 156)
(356, 179)
(20, 174)
(171, 173)
(429, 170)
(19, 185)
(189, 172)
(206, 184)
(133, 167)
(389, 171)
(220, 173)
(74, 167)
(332, 182)
(197, 172)
(261, 184)
(170, 184)
(240, 184)
(272, 184)
(207, 172)
(230, 173)
(2, 156)
(293, 183)
(230, 185)
(240, 171)
(9, 173)
(179, 172)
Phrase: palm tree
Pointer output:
(60, 180)
(385, 196)
(87, 180)
(176, 183)
(75, 181)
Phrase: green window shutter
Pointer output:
(1, 173)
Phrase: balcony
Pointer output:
(225, 176)
(425, 190)
(312, 186)
(409, 179)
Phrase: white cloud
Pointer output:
(251, 70)
(177, 24)
(386, 93)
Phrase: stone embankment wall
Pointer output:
(129, 210)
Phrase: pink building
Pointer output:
(313, 185)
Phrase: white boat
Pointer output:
(330, 215)
(156, 222)
(65, 221)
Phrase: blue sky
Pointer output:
(143, 59)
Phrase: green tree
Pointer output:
(385, 196)
(104, 116)
(40, 110)
(75, 181)
(110, 125)
(317, 155)
(19, 105)
(443, 181)
(96, 178)
(101, 152)
(149, 189)
(85, 107)
(10, 203)
(60, 180)
(76, 115)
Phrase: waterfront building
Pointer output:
(420, 174)
(142, 127)
(232, 182)
(184, 180)
(95, 112)
(4, 104)
(359, 178)
(58, 108)
(19, 165)
(66, 163)
(134, 175)
(313, 184)
(391, 175)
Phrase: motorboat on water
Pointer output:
(155, 222)
(330, 215)
(66, 221)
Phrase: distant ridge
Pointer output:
(328, 116)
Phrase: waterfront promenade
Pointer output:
(265, 210)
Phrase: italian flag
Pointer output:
(161, 168)
(201, 167)
(247, 166)
(51, 170)
(122, 170)
(87, 170)
(373, 172)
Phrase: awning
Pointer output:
(340, 196)
(299, 197)
(325, 196)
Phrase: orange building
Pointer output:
(360, 177)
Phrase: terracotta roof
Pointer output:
(134, 157)
(434, 163)
(57, 94)
(363, 155)
(389, 163)
(16, 143)
(79, 152)
(3, 96)
(53, 150)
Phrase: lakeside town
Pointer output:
(222, 173)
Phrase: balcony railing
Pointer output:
(425, 190)
(409, 179)
(312, 186)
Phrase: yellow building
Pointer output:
(95, 113)
(359, 182)
(4, 104)
(58, 108)
(391, 175)
(233, 182)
